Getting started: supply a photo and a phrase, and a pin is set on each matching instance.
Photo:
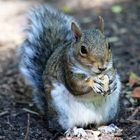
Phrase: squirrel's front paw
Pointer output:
(79, 132)
(96, 84)
(109, 129)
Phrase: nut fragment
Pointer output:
(105, 81)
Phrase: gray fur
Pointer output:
(46, 30)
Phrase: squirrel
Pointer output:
(68, 69)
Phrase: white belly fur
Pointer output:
(82, 111)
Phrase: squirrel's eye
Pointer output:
(83, 50)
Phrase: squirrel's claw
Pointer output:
(79, 132)
(112, 85)
(98, 88)
(109, 129)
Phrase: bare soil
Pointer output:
(19, 119)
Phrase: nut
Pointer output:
(105, 81)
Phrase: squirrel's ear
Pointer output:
(76, 31)
(101, 24)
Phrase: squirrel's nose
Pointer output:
(102, 69)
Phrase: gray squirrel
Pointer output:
(70, 70)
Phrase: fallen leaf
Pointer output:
(66, 9)
(123, 31)
(134, 79)
(86, 20)
(117, 9)
(113, 39)
(136, 93)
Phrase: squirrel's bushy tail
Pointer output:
(47, 29)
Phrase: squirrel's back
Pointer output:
(47, 29)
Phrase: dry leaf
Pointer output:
(134, 79)
(87, 20)
(67, 9)
(113, 39)
(117, 9)
(136, 93)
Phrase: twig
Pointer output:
(134, 121)
(3, 113)
(130, 121)
(23, 102)
(30, 111)
(28, 128)
(134, 113)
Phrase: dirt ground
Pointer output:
(19, 119)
